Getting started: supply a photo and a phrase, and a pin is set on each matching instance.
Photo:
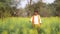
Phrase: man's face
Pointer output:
(35, 13)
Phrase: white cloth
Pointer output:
(36, 19)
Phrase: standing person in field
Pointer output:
(36, 21)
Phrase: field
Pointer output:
(19, 25)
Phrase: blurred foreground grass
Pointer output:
(19, 25)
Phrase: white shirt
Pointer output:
(36, 19)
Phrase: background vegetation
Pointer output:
(8, 8)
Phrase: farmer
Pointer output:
(36, 21)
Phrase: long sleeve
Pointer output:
(40, 19)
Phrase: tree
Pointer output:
(43, 8)
(57, 6)
(5, 8)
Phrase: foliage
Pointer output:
(57, 5)
(19, 25)
(45, 9)
(8, 8)
(5, 8)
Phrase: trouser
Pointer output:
(37, 27)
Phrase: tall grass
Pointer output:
(18, 25)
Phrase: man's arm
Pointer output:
(40, 19)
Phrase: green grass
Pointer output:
(19, 25)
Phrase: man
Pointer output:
(36, 21)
